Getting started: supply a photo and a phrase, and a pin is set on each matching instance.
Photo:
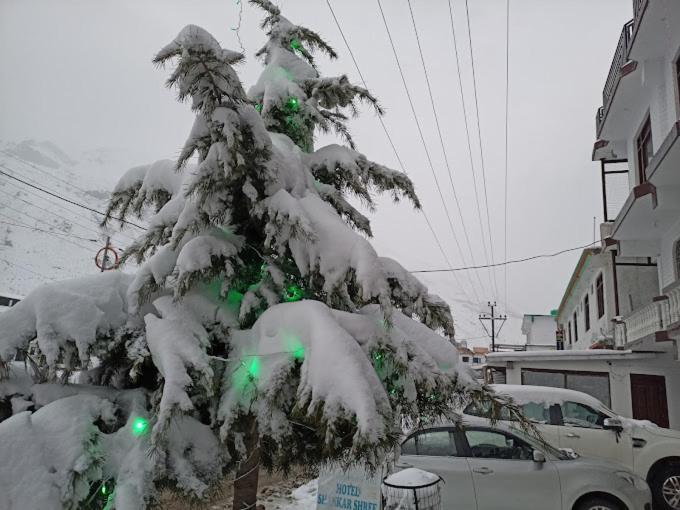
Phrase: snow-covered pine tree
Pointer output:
(260, 317)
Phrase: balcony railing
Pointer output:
(620, 59)
(650, 320)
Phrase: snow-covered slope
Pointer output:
(43, 238)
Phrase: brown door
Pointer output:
(649, 398)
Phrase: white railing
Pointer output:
(643, 322)
(673, 304)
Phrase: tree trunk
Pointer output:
(247, 476)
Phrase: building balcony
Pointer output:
(657, 322)
(617, 70)
(653, 206)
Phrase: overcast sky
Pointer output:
(79, 73)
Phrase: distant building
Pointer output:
(474, 356)
(540, 332)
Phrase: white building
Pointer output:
(625, 295)
(540, 332)
(603, 287)
(638, 126)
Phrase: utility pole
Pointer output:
(493, 318)
(105, 260)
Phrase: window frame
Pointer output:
(586, 311)
(466, 451)
(560, 415)
(644, 136)
(599, 289)
(566, 373)
(676, 72)
(575, 320)
(455, 441)
(569, 326)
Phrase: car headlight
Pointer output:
(632, 479)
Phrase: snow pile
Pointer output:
(65, 318)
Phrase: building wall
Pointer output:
(541, 331)
(667, 257)
(638, 286)
(619, 378)
(600, 327)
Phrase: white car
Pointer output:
(574, 420)
(500, 468)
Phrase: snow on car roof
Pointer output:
(524, 394)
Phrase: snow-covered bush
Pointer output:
(261, 326)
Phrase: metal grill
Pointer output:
(423, 497)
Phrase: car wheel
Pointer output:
(666, 487)
(599, 503)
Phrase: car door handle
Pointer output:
(572, 435)
(483, 470)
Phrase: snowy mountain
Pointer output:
(42, 237)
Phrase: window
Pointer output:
(676, 259)
(677, 76)
(599, 288)
(492, 444)
(466, 359)
(586, 311)
(434, 443)
(537, 413)
(595, 384)
(580, 415)
(575, 327)
(569, 332)
(644, 149)
(476, 360)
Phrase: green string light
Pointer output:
(258, 107)
(295, 45)
(293, 104)
(254, 368)
(292, 293)
(139, 426)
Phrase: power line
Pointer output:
(422, 138)
(461, 92)
(481, 150)
(66, 199)
(441, 141)
(46, 231)
(39, 220)
(45, 277)
(509, 262)
(62, 207)
(50, 212)
(507, 115)
(28, 163)
(394, 149)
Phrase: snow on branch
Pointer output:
(350, 171)
(66, 318)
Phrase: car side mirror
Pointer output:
(539, 456)
(612, 424)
